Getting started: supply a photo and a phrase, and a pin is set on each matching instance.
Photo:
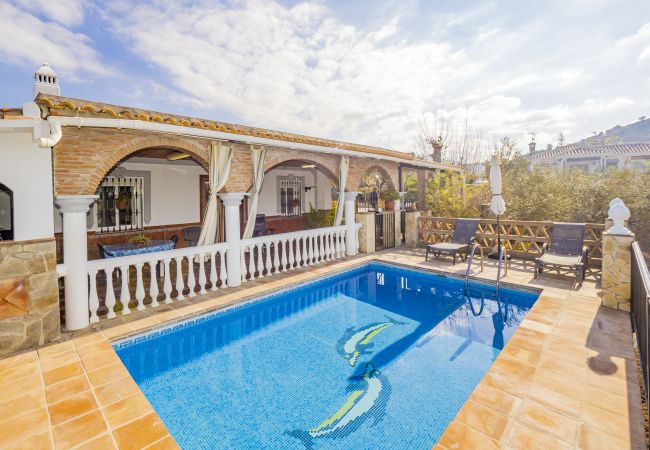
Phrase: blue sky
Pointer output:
(365, 71)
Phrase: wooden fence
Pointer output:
(522, 239)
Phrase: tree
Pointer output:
(442, 137)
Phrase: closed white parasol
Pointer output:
(498, 205)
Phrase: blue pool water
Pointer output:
(376, 357)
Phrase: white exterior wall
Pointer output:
(268, 202)
(26, 169)
(174, 192)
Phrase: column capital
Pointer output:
(232, 198)
(75, 203)
(351, 196)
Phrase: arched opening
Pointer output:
(6, 213)
(297, 194)
(374, 187)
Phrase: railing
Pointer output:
(521, 239)
(268, 255)
(109, 278)
(640, 309)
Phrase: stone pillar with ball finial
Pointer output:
(617, 258)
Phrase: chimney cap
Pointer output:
(46, 70)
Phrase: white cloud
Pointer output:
(66, 12)
(29, 41)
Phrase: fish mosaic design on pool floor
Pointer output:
(358, 341)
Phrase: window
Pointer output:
(120, 204)
(290, 195)
(611, 164)
(6, 213)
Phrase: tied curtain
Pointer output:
(258, 155)
(343, 179)
(220, 159)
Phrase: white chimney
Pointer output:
(46, 81)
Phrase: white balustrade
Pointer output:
(103, 273)
(282, 252)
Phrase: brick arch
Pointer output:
(241, 171)
(84, 156)
(362, 167)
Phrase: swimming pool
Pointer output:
(379, 356)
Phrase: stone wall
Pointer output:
(29, 298)
(617, 270)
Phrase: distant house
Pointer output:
(592, 157)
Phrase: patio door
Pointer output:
(204, 194)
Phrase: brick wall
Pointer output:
(85, 155)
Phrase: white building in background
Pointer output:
(593, 158)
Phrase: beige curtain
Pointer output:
(220, 158)
(258, 154)
(343, 179)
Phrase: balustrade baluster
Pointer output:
(316, 252)
(139, 286)
(321, 247)
(310, 259)
(260, 260)
(93, 299)
(305, 251)
(284, 246)
(268, 258)
(109, 300)
(251, 261)
(328, 248)
(125, 295)
(243, 265)
(191, 280)
(213, 271)
(153, 283)
(167, 282)
(276, 256)
(180, 283)
(298, 255)
(291, 256)
(222, 269)
(202, 279)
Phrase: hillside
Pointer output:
(632, 133)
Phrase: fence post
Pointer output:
(411, 225)
(350, 224)
(617, 259)
(231, 202)
(75, 256)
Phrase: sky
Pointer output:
(365, 71)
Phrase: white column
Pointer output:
(75, 255)
(351, 231)
(231, 202)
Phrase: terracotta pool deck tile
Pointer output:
(460, 436)
(612, 423)
(120, 330)
(592, 438)
(105, 375)
(18, 359)
(564, 404)
(96, 361)
(103, 442)
(556, 382)
(116, 391)
(509, 383)
(496, 399)
(166, 443)
(484, 419)
(521, 355)
(88, 339)
(140, 433)
(95, 347)
(61, 359)
(618, 404)
(62, 373)
(71, 407)
(127, 410)
(39, 441)
(521, 436)
(513, 367)
(79, 430)
(71, 386)
(20, 371)
(24, 427)
(545, 419)
(55, 349)
(574, 369)
(21, 405)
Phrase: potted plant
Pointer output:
(139, 240)
(389, 197)
(122, 201)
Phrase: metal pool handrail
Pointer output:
(469, 262)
